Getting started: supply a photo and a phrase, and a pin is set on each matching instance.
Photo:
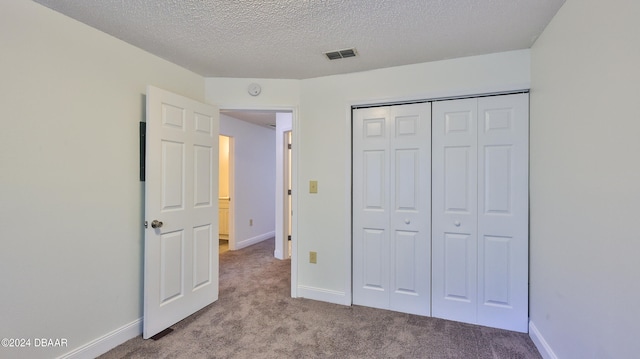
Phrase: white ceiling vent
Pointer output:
(340, 54)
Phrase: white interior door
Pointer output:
(503, 212)
(391, 207)
(181, 252)
(480, 211)
(454, 210)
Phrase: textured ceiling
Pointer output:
(287, 38)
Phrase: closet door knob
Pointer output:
(456, 223)
(407, 221)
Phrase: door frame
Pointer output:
(283, 126)
(294, 179)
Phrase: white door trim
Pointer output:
(283, 126)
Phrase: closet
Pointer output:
(440, 209)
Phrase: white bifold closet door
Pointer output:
(480, 211)
(391, 207)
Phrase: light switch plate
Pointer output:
(313, 186)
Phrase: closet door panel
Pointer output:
(410, 250)
(503, 211)
(391, 207)
(371, 204)
(454, 210)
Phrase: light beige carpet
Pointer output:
(255, 317)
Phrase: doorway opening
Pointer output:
(224, 193)
(281, 178)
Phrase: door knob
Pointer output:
(407, 221)
(457, 223)
(156, 224)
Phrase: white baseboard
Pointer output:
(323, 295)
(541, 344)
(106, 342)
(254, 240)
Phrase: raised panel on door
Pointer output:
(375, 261)
(202, 194)
(172, 180)
(171, 266)
(496, 268)
(454, 210)
(374, 181)
(406, 257)
(410, 183)
(371, 207)
(203, 240)
(503, 212)
(457, 298)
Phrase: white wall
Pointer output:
(585, 177)
(322, 143)
(231, 93)
(254, 183)
(70, 197)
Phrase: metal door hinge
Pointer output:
(146, 224)
(289, 146)
(289, 192)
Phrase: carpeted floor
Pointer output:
(255, 317)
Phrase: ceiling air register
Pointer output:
(341, 54)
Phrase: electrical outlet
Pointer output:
(313, 257)
(250, 222)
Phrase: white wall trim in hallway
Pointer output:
(324, 295)
(257, 239)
